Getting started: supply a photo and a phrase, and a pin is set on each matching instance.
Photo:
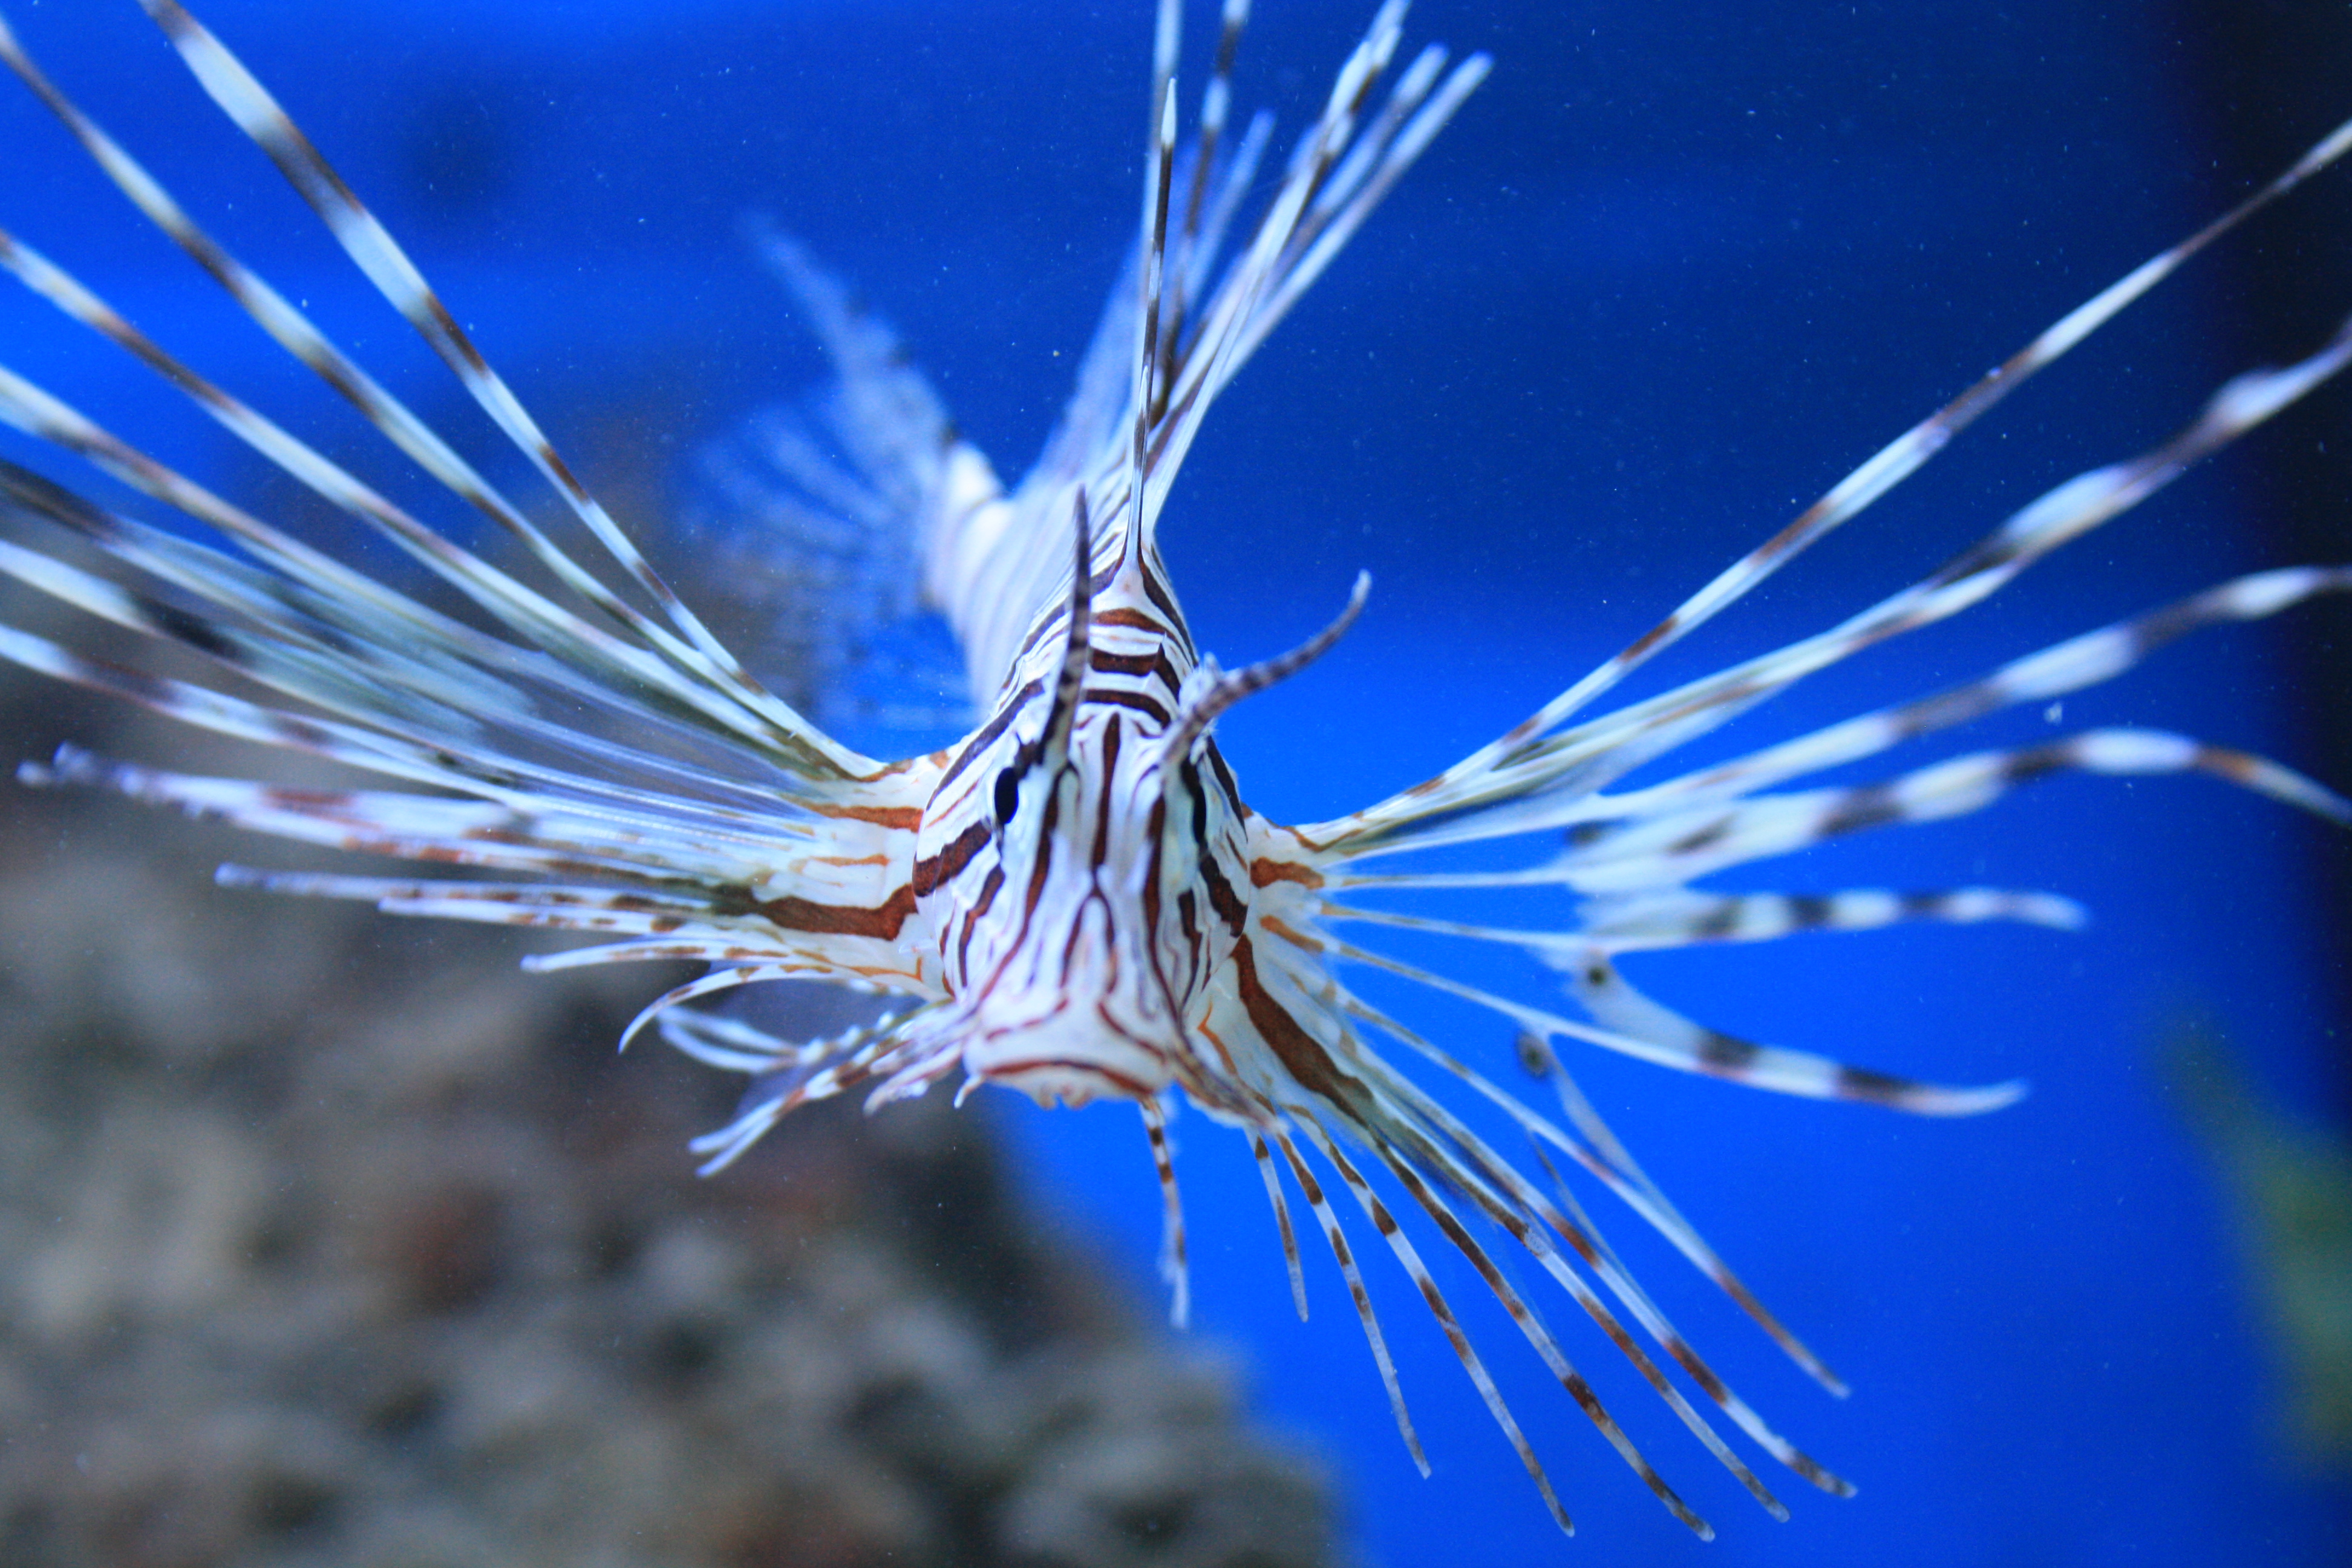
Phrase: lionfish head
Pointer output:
(1059, 981)
(1119, 870)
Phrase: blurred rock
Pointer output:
(329, 1240)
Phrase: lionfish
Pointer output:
(1074, 901)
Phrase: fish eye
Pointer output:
(1008, 795)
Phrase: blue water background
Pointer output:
(1674, 271)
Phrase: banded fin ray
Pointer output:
(990, 574)
(1527, 762)
(434, 701)
(1074, 900)
(2070, 508)
(715, 686)
(245, 101)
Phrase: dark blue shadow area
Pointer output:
(1674, 271)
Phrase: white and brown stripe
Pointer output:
(1074, 901)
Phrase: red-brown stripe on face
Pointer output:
(1303, 1055)
(1143, 703)
(904, 818)
(935, 871)
(989, 888)
(1154, 664)
(1266, 870)
(835, 920)
(1135, 620)
(987, 735)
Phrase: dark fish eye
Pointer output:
(1008, 795)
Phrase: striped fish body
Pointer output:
(1096, 911)
(1072, 901)
(1032, 870)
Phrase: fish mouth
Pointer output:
(1072, 1053)
(1070, 1016)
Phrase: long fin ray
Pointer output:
(256, 112)
(2238, 408)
